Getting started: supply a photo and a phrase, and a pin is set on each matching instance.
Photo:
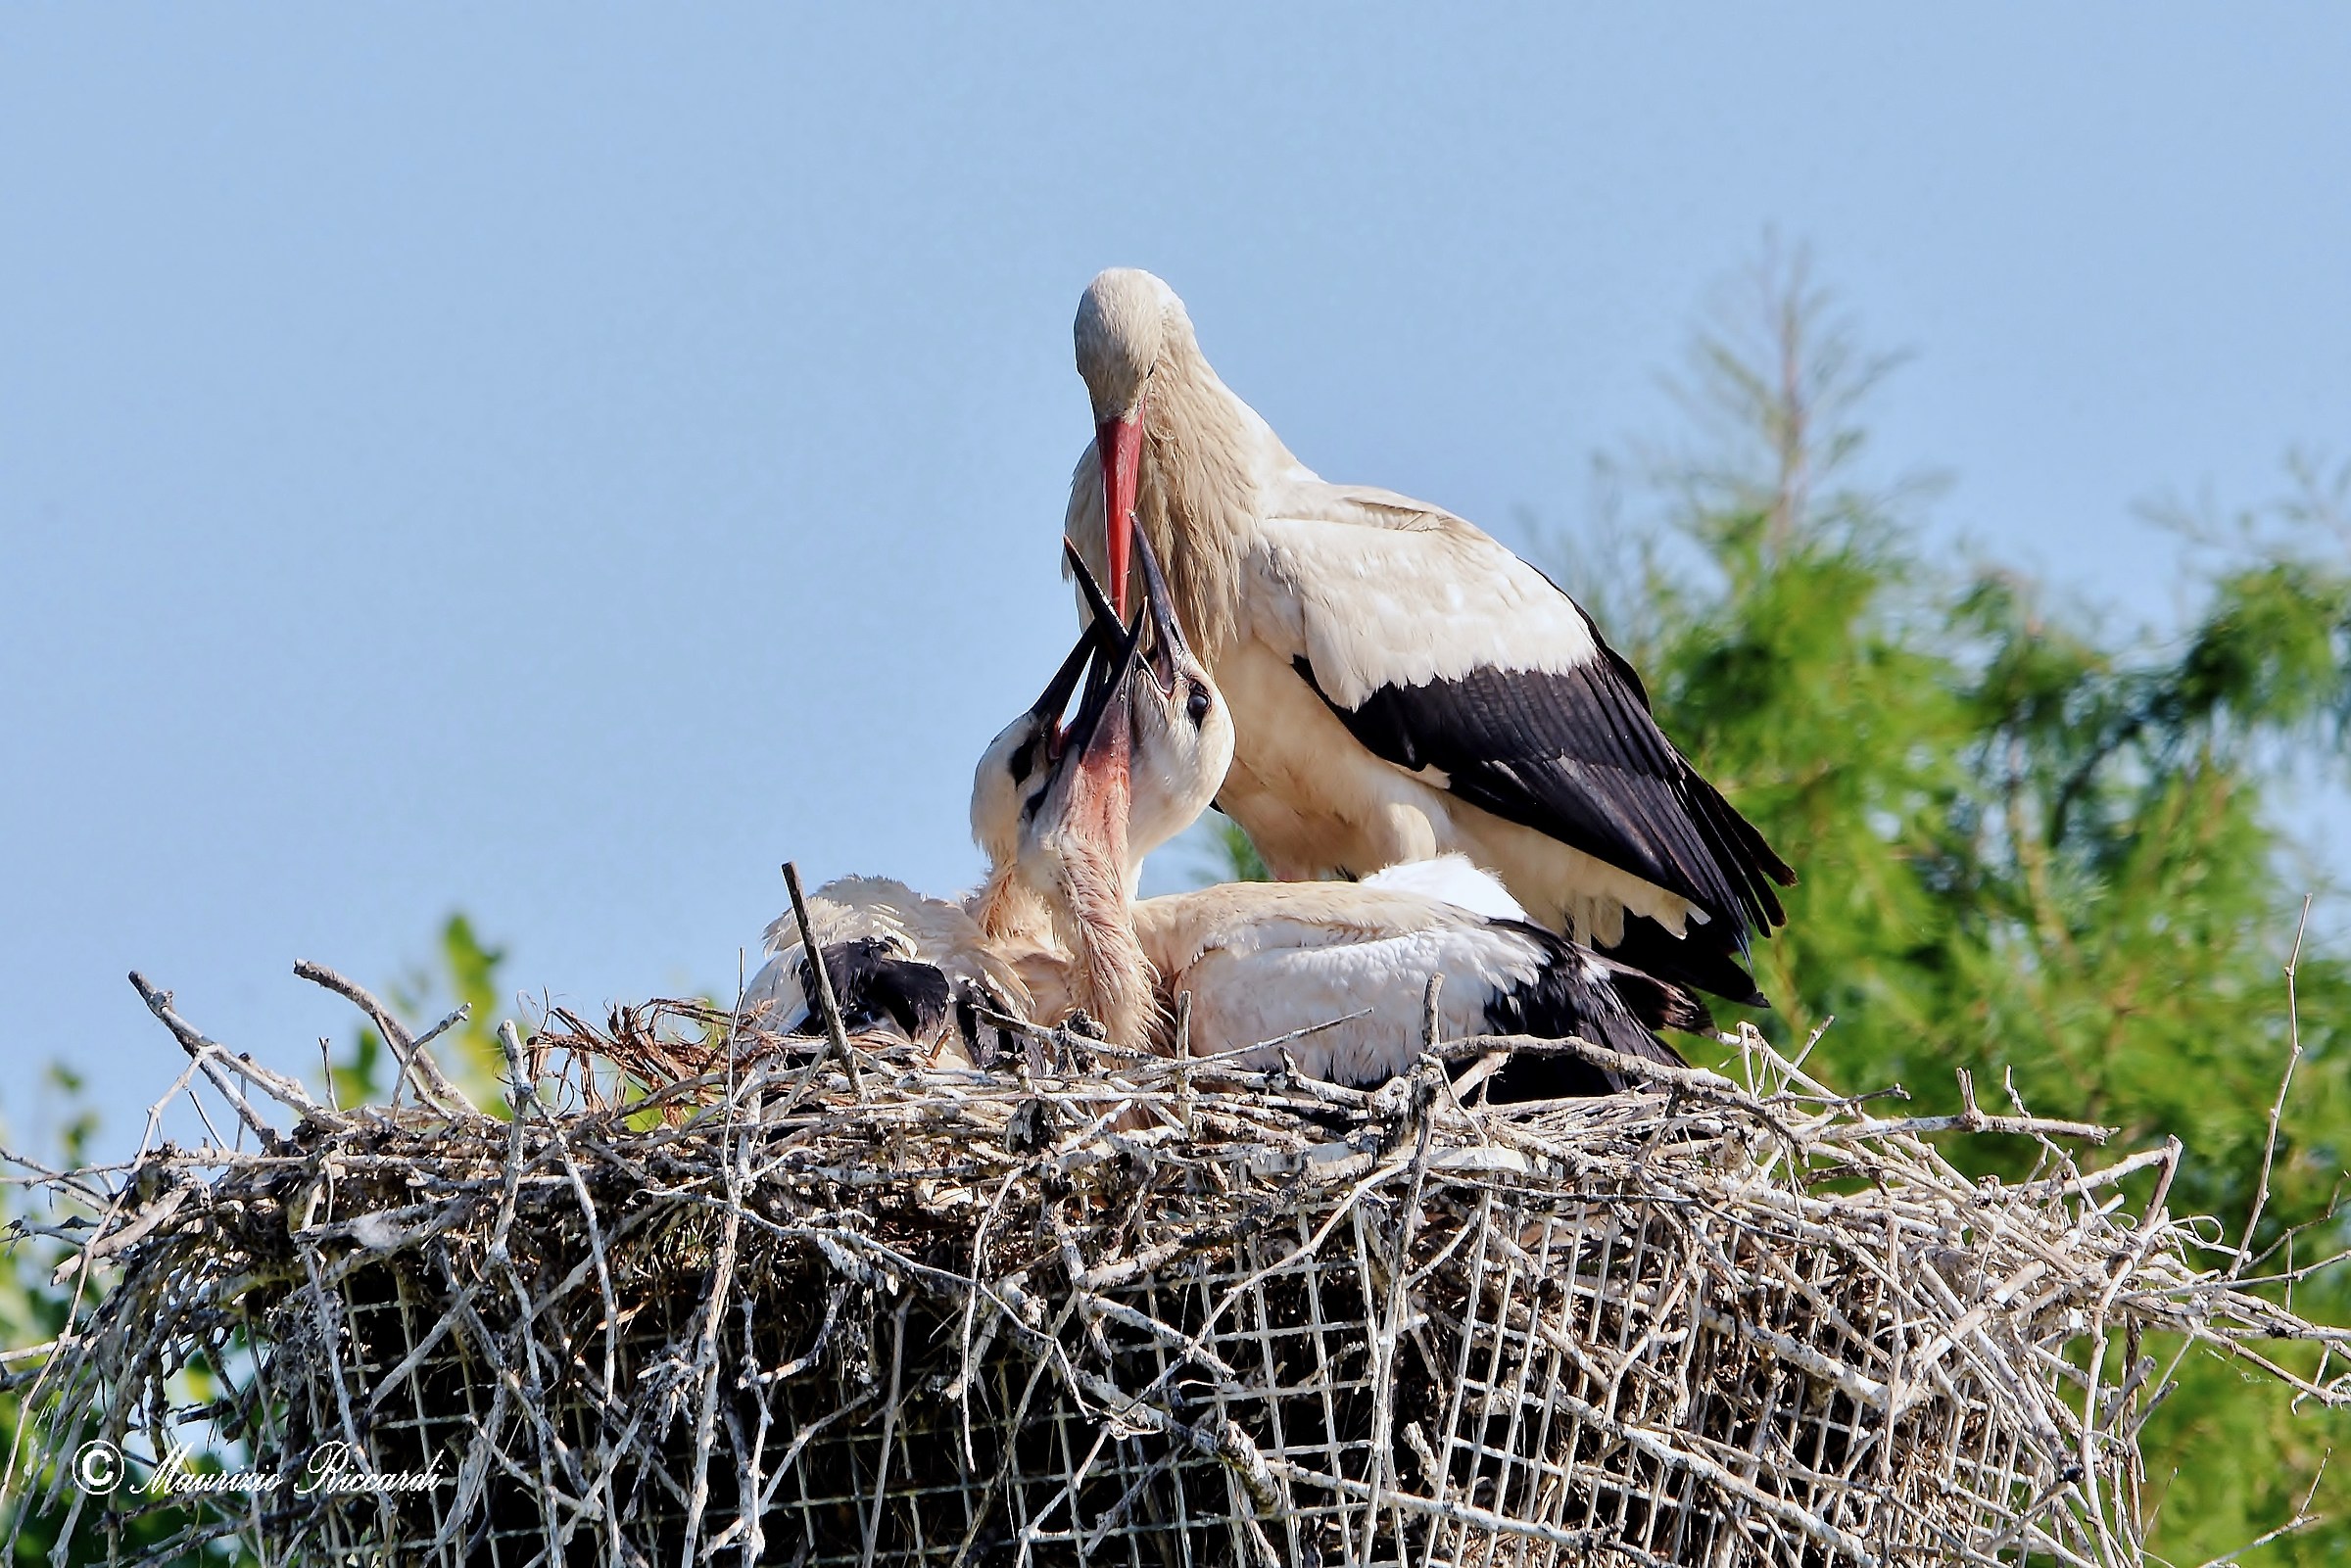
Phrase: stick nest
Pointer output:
(700, 1294)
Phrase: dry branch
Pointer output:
(822, 1302)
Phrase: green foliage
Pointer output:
(33, 1310)
(1229, 856)
(2031, 847)
(359, 1077)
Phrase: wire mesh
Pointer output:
(1107, 1309)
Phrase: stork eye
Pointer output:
(1197, 704)
(1023, 759)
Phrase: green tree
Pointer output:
(2032, 846)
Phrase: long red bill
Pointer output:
(1119, 442)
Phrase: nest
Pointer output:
(709, 1297)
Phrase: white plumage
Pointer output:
(1401, 684)
(1454, 879)
(1264, 959)
(1375, 590)
(906, 925)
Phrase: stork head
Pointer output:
(1182, 745)
(1143, 758)
(1015, 770)
(1018, 765)
(1127, 319)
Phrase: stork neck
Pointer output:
(1008, 909)
(1207, 461)
(1115, 981)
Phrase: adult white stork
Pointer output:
(1402, 685)
(1266, 960)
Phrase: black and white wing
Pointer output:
(1445, 656)
(899, 964)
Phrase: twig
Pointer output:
(519, 1094)
(1811, 1040)
(1183, 1061)
(1973, 1121)
(826, 1008)
(417, 1064)
(2293, 1056)
(207, 1053)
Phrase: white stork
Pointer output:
(901, 965)
(913, 967)
(1400, 683)
(1264, 960)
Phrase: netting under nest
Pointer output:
(694, 1302)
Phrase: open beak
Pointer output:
(1046, 710)
(1088, 797)
(1167, 636)
(1102, 636)
(1120, 442)
(1104, 633)
(1101, 724)
(1104, 657)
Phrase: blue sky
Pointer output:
(560, 462)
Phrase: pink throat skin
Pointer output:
(1115, 981)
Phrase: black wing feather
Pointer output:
(876, 989)
(1576, 755)
(1621, 1010)
(1652, 950)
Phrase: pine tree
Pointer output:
(2031, 848)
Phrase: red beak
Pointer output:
(1121, 444)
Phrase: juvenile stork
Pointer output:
(903, 964)
(1265, 960)
(1400, 683)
